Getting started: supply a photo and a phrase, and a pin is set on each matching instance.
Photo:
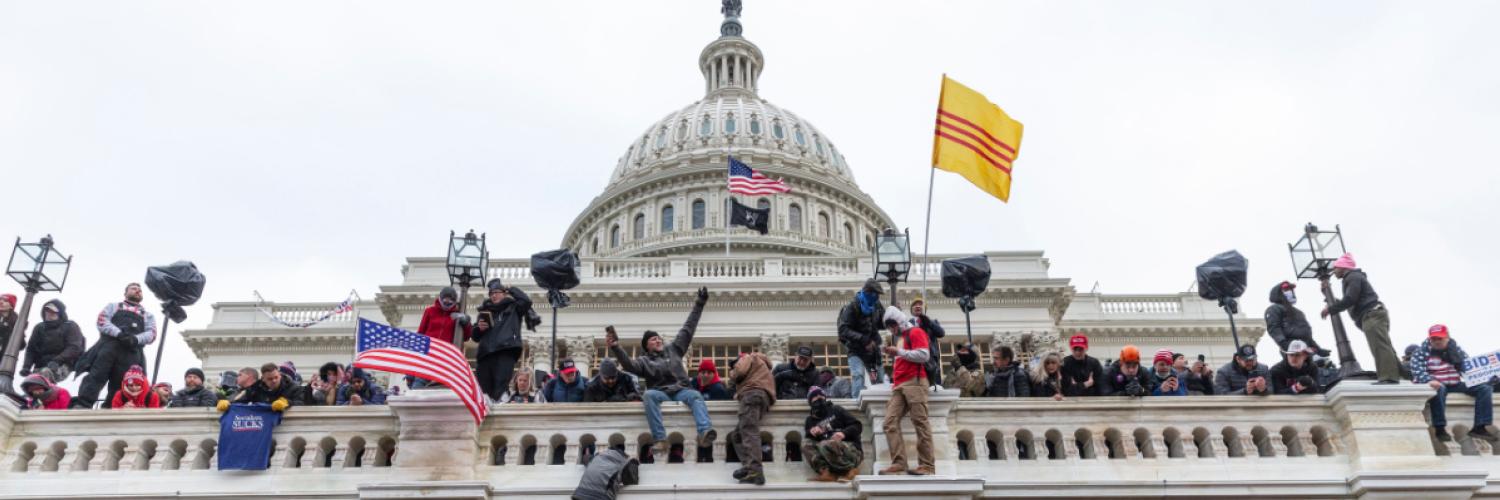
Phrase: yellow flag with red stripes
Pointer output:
(975, 139)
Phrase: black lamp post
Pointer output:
(893, 258)
(1312, 258)
(468, 260)
(38, 267)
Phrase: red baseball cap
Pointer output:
(1438, 331)
(568, 367)
(1078, 341)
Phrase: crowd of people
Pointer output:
(658, 373)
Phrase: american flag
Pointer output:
(746, 180)
(381, 347)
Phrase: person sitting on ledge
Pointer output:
(1243, 375)
(666, 379)
(42, 394)
(1296, 374)
(1125, 377)
(1166, 380)
(360, 390)
(611, 386)
(567, 387)
(1439, 363)
(795, 377)
(830, 442)
(1047, 378)
(133, 392)
(271, 388)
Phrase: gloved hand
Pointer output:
(280, 404)
(223, 405)
(25, 372)
(1133, 388)
(129, 340)
(702, 296)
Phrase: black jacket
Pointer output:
(1359, 297)
(1075, 373)
(1195, 383)
(836, 420)
(1283, 376)
(7, 324)
(792, 383)
(1117, 383)
(203, 396)
(1012, 382)
(260, 393)
(59, 342)
(1284, 322)
(1049, 388)
(857, 329)
(664, 370)
(505, 320)
(934, 331)
(624, 390)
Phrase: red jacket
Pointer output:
(438, 323)
(147, 399)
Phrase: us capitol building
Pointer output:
(655, 235)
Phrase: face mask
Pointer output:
(1291, 297)
(446, 303)
(820, 406)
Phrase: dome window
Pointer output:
(661, 137)
(699, 213)
(595, 248)
(730, 124)
(849, 234)
(706, 127)
(754, 125)
(614, 236)
(666, 219)
(682, 129)
(801, 139)
(638, 227)
(794, 217)
(777, 130)
(818, 142)
(823, 225)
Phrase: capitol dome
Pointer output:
(667, 194)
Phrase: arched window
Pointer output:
(730, 124)
(754, 125)
(794, 217)
(614, 236)
(638, 228)
(848, 234)
(699, 213)
(868, 244)
(594, 250)
(682, 129)
(666, 219)
(777, 130)
(801, 139)
(818, 142)
(824, 228)
(661, 137)
(706, 127)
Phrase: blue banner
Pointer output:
(245, 436)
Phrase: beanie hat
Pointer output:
(1162, 356)
(968, 357)
(1412, 349)
(289, 370)
(1078, 340)
(646, 337)
(707, 365)
(608, 368)
(871, 287)
(494, 284)
(1130, 354)
(448, 292)
(814, 392)
(134, 374)
(195, 371)
(893, 313)
(8, 297)
(1345, 262)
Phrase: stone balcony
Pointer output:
(1360, 441)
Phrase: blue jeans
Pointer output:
(653, 400)
(1484, 411)
(857, 373)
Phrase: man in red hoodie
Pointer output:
(709, 383)
(439, 322)
(908, 394)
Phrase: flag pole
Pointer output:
(728, 202)
(927, 231)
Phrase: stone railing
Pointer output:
(1360, 441)
(1096, 306)
(248, 315)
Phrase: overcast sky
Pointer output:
(303, 149)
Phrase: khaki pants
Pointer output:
(909, 399)
(753, 407)
(1377, 327)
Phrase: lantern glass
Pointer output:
(467, 258)
(892, 255)
(38, 265)
(1315, 251)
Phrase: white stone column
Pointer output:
(1390, 452)
(437, 434)
(541, 352)
(873, 403)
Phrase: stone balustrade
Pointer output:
(1360, 441)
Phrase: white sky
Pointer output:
(301, 149)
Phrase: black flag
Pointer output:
(753, 218)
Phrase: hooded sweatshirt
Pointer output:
(1359, 297)
(714, 390)
(58, 341)
(144, 398)
(437, 322)
(52, 398)
(1284, 322)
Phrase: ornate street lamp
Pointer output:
(38, 267)
(1312, 258)
(468, 260)
(893, 258)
